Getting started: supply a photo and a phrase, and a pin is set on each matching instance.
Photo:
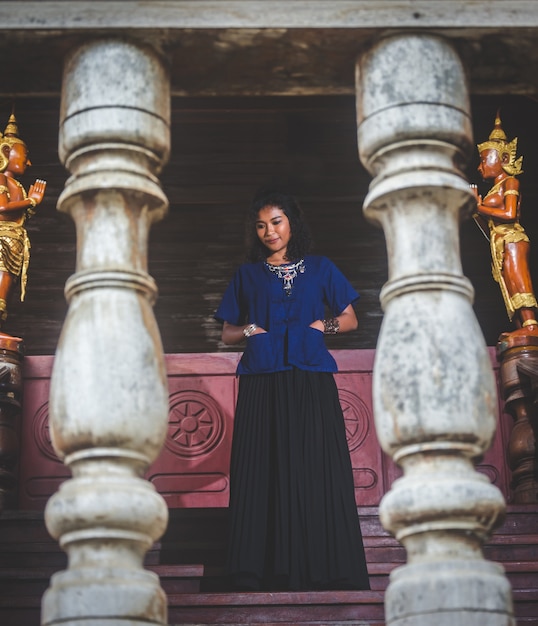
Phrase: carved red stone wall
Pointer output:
(192, 469)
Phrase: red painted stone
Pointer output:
(192, 470)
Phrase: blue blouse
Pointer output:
(256, 295)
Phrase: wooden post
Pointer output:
(10, 413)
(435, 405)
(109, 397)
(518, 356)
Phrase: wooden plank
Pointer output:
(205, 14)
(223, 149)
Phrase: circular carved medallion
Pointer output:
(356, 418)
(42, 433)
(195, 424)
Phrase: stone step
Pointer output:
(175, 579)
(189, 562)
(278, 608)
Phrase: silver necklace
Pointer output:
(287, 273)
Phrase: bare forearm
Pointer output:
(347, 321)
(16, 205)
(232, 335)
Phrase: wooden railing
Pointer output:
(193, 467)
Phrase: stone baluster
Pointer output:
(109, 398)
(434, 392)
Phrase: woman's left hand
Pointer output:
(347, 320)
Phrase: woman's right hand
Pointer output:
(232, 335)
(258, 331)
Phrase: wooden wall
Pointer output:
(223, 149)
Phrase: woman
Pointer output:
(293, 517)
(498, 212)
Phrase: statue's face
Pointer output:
(18, 159)
(490, 165)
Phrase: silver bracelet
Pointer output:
(331, 326)
(249, 330)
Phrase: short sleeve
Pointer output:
(230, 308)
(339, 292)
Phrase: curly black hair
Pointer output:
(300, 241)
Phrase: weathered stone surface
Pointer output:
(434, 393)
(109, 397)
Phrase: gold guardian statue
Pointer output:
(16, 206)
(498, 214)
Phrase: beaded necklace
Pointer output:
(19, 185)
(287, 273)
(497, 186)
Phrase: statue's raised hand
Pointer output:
(37, 190)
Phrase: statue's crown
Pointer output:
(11, 132)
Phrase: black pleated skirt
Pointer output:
(293, 517)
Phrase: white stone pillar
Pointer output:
(434, 392)
(109, 398)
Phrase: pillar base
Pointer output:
(473, 593)
(98, 594)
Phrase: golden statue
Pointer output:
(16, 206)
(498, 214)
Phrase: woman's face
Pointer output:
(273, 230)
(490, 164)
